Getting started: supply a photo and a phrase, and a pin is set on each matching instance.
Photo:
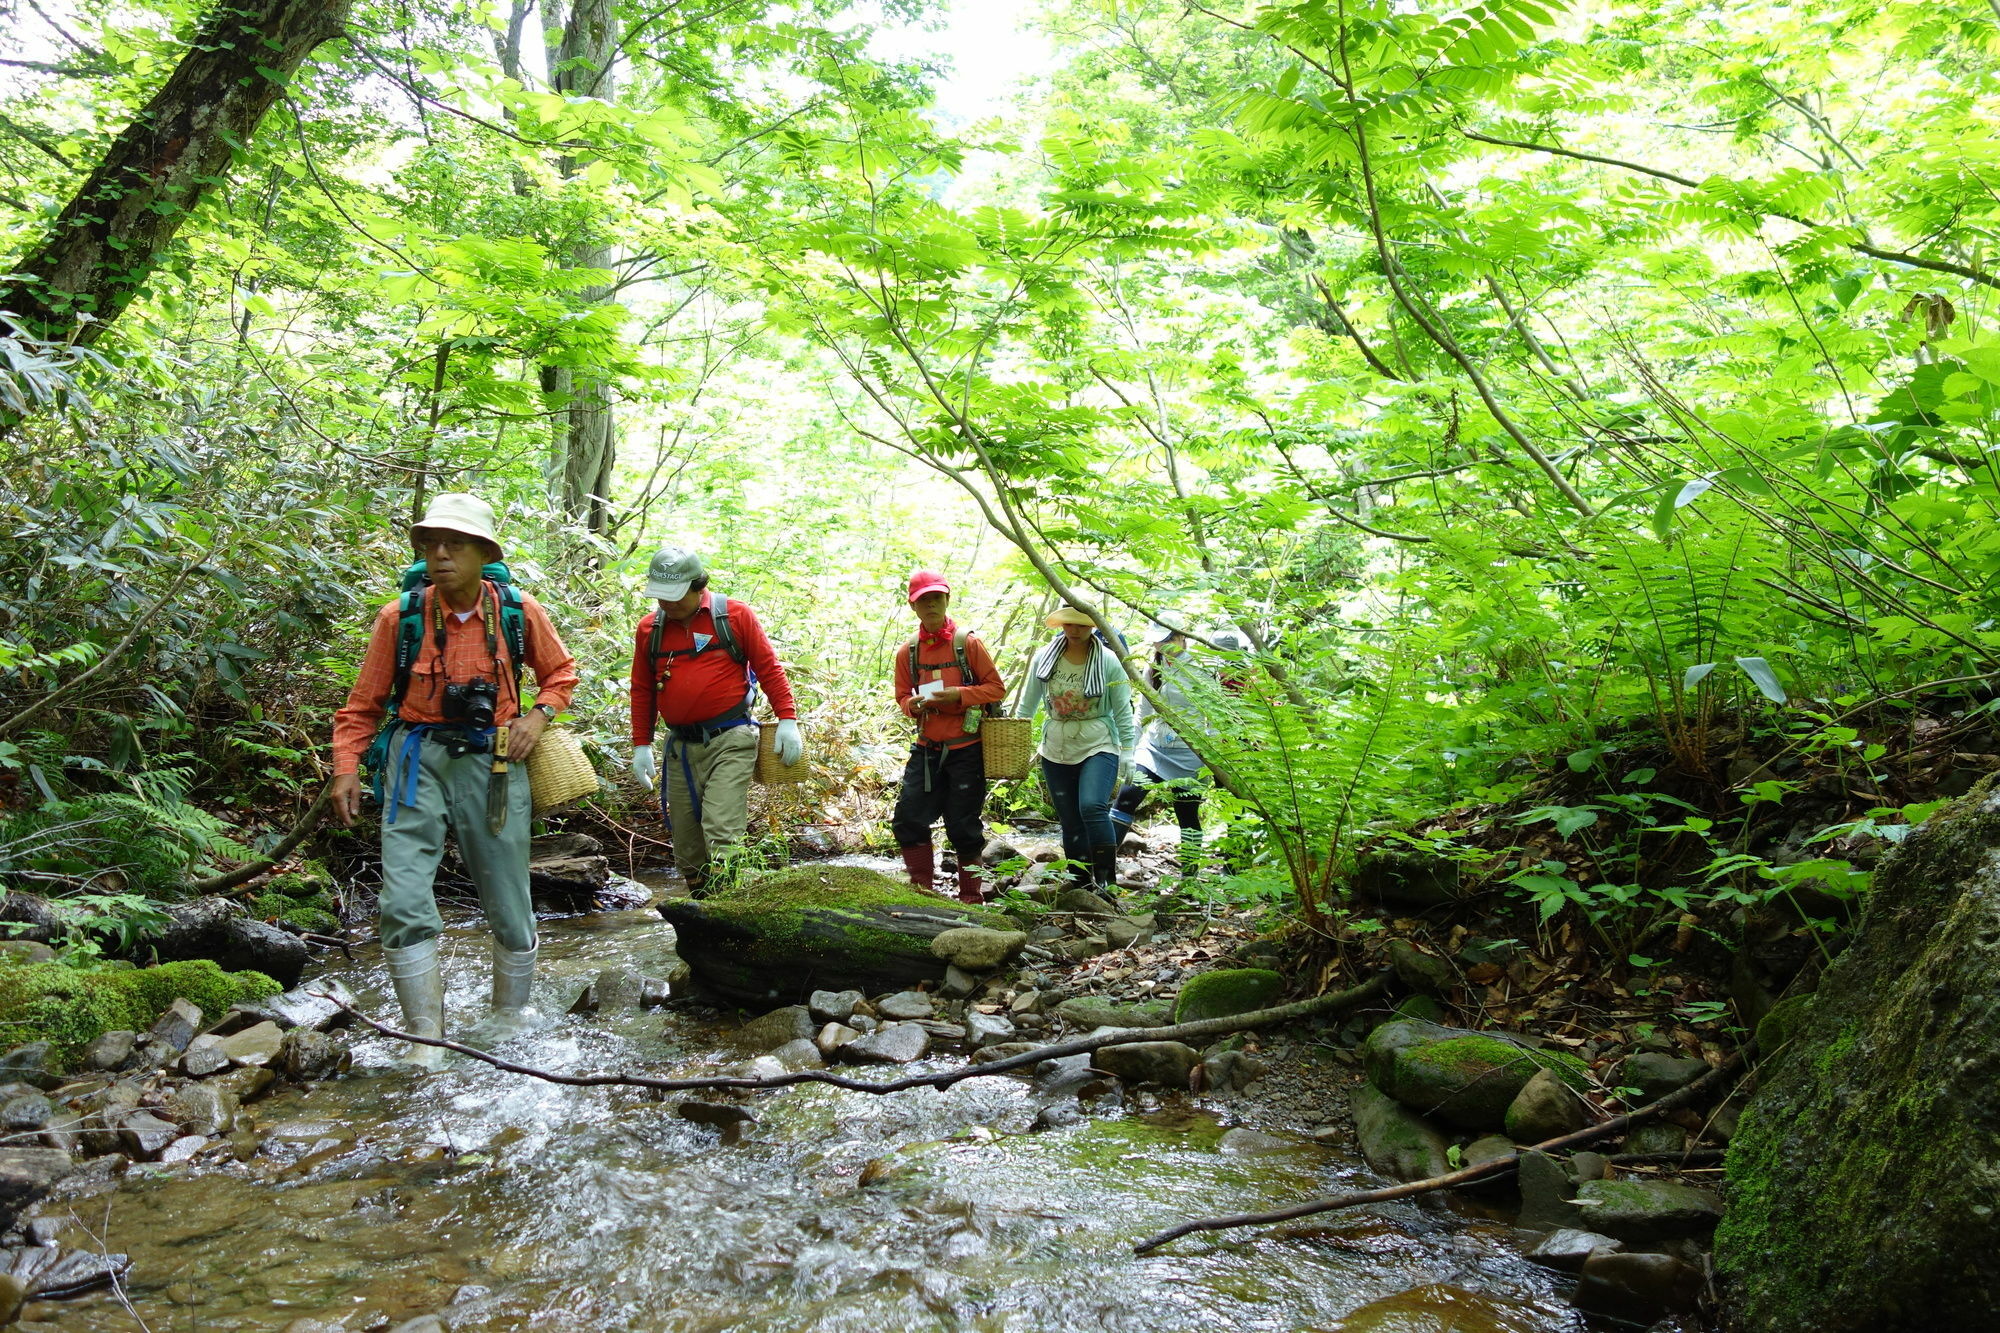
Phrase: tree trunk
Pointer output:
(588, 439)
(103, 246)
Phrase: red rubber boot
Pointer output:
(920, 863)
(970, 888)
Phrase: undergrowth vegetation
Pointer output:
(1620, 534)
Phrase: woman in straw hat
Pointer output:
(1087, 740)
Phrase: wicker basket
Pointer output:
(769, 770)
(1009, 743)
(558, 770)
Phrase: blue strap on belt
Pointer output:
(687, 776)
(406, 769)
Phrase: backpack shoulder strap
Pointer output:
(725, 633)
(965, 675)
(513, 627)
(409, 644)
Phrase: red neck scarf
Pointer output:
(940, 637)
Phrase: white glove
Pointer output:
(642, 765)
(790, 744)
(1124, 775)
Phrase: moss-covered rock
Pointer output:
(1863, 1177)
(1226, 992)
(69, 1008)
(301, 899)
(776, 938)
(1395, 1140)
(1468, 1079)
(1406, 878)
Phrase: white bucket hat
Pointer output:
(455, 511)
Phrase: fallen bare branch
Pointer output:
(1694, 1091)
(1213, 1027)
(309, 821)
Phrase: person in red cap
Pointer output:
(945, 680)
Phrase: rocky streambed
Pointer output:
(320, 1188)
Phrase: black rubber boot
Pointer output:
(1104, 870)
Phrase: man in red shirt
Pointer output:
(440, 770)
(946, 774)
(697, 662)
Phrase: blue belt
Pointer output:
(406, 769)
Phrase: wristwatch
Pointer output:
(547, 710)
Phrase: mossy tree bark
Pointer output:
(100, 250)
(584, 66)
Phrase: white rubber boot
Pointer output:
(513, 1011)
(420, 990)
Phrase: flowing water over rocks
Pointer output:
(499, 1202)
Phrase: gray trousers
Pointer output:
(451, 795)
(723, 768)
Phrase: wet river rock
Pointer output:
(792, 1022)
(1396, 1141)
(26, 1175)
(777, 938)
(1647, 1210)
(833, 1006)
(1545, 1108)
(110, 1050)
(1467, 1079)
(1164, 1063)
(896, 1044)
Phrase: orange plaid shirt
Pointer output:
(464, 657)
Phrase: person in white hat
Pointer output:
(1165, 761)
(441, 668)
(698, 660)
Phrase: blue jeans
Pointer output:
(1081, 794)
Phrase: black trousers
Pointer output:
(944, 783)
(1186, 793)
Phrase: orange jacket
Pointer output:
(464, 657)
(946, 726)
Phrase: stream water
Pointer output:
(499, 1202)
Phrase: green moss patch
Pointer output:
(302, 899)
(69, 1008)
(777, 905)
(1226, 992)
(1466, 1078)
(835, 886)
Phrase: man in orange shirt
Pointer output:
(697, 662)
(944, 679)
(461, 690)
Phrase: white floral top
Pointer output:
(1079, 726)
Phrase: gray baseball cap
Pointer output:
(672, 570)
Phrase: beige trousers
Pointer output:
(714, 817)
